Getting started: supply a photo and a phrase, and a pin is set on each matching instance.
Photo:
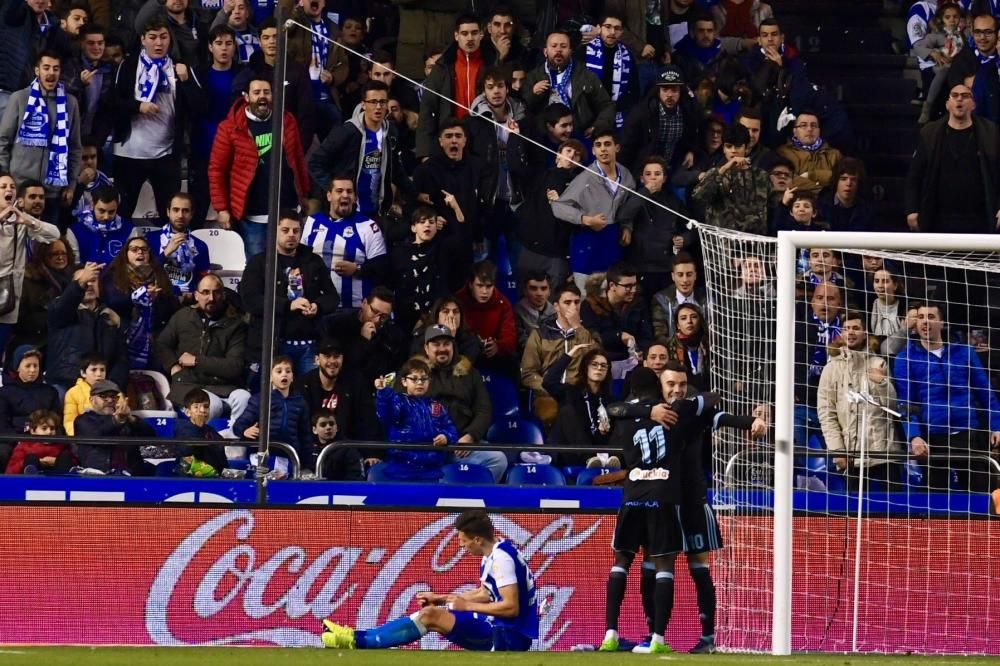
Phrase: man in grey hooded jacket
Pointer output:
(366, 146)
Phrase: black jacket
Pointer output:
(652, 248)
(922, 194)
(22, 41)
(541, 232)
(18, 399)
(340, 400)
(578, 420)
(75, 331)
(340, 153)
(420, 276)
(125, 107)
(106, 458)
(467, 179)
(317, 287)
(608, 322)
(364, 359)
(640, 133)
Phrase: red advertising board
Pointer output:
(140, 576)
(200, 576)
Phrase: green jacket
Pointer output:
(736, 199)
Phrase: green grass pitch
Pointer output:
(83, 656)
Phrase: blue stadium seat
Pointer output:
(465, 473)
(834, 480)
(535, 475)
(166, 468)
(587, 476)
(377, 473)
(513, 430)
(503, 395)
(572, 472)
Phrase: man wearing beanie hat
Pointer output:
(735, 195)
(22, 393)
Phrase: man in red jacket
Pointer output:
(488, 312)
(239, 169)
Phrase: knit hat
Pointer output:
(21, 352)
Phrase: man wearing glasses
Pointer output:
(203, 346)
(953, 180)
(618, 318)
(366, 147)
(110, 419)
(811, 156)
(614, 64)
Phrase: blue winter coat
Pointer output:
(289, 420)
(412, 419)
(943, 394)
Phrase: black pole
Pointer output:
(270, 248)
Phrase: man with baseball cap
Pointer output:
(324, 389)
(111, 419)
(460, 388)
(665, 123)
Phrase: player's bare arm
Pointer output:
(507, 607)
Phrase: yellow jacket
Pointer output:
(77, 402)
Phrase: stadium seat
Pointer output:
(163, 419)
(515, 431)
(572, 473)
(587, 476)
(503, 395)
(535, 475)
(166, 468)
(832, 479)
(465, 473)
(225, 248)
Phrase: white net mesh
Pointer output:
(917, 569)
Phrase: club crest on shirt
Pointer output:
(348, 232)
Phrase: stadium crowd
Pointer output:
(441, 270)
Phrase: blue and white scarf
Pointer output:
(247, 44)
(151, 77)
(183, 257)
(88, 220)
(560, 82)
(983, 59)
(34, 132)
(320, 39)
(808, 147)
(621, 71)
(138, 337)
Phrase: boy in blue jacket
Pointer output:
(414, 418)
(289, 412)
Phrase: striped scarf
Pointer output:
(138, 337)
(183, 258)
(34, 132)
(320, 39)
(152, 77)
(621, 70)
(247, 44)
(560, 82)
(809, 148)
(88, 220)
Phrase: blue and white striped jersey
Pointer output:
(355, 238)
(506, 566)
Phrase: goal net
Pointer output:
(894, 350)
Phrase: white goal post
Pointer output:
(788, 246)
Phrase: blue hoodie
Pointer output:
(943, 394)
(413, 419)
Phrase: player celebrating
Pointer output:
(350, 243)
(500, 615)
(686, 420)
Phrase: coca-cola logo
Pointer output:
(221, 586)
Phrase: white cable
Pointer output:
(291, 22)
